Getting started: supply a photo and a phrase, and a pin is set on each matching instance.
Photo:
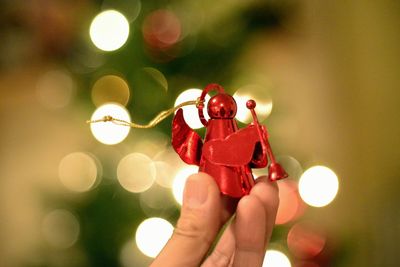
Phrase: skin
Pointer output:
(204, 212)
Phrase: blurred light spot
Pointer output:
(152, 235)
(305, 241)
(107, 132)
(318, 186)
(157, 76)
(167, 163)
(55, 89)
(136, 172)
(275, 258)
(60, 229)
(109, 30)
(290, 204)
(165, 174)
(130, 9)
(110, 88)
(157, 200)
(161, 29)
(257, 93)
(179, 182)
(78, 171)
(190, 113)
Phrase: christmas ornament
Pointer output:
(228, 153)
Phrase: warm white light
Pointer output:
(179, 181)
(107, 132)
(274, 258)
(152, 235)
(60, 228)
(136, 172)
(190, 113)
(165, 174)
(109, 30)
(78, 171)
(318, 186)
(257, 93)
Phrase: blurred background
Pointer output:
(325, 75)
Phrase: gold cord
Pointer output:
(161, 116)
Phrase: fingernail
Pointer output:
(195, 193)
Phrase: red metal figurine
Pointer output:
(228, 153)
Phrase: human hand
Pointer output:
(205, 211)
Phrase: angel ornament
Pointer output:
(227, 153)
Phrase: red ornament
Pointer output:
(228, 153)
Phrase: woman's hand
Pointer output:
(205, 211)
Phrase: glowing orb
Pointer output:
(318, 186)
(190, 113)
(109, 30)
(152, 235)
(78, 171)
(136, 172)
(274, 258)
(107, 132)
(110, 88)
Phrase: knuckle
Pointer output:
(218, 259)
(192, 225)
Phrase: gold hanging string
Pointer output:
(161, 116)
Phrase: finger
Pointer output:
(268, 193)
(197, 226)
(249, 232)
(223, 251)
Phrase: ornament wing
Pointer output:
(237, 149)
(185, 141)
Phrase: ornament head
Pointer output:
(222, 106)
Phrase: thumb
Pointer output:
(197, 226)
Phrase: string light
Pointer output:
(152, 235)
(109, 30)
(318, 186)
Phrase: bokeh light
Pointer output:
(55, 89)
(109, 30)
(262, 97)
(318, 186)
(179, 182)
(136, 172)
(110, 88)
(275, 258)
(161, 29)
(167, 163)
(165, 174)
(79, 171)
(157, 200)
(152, 235)
(60, 229)
(190, 113)
(107, 132)
(290, 204)
(305, 241)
